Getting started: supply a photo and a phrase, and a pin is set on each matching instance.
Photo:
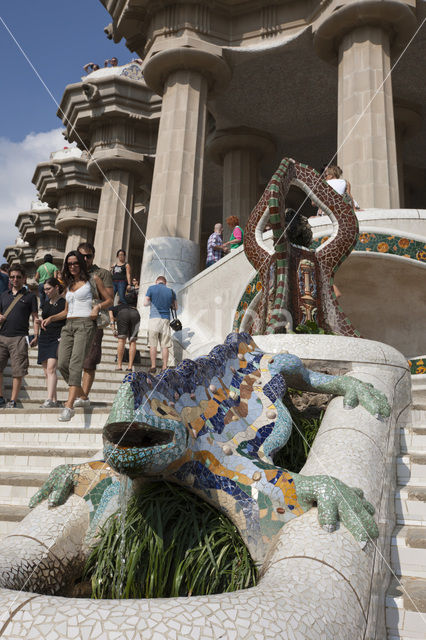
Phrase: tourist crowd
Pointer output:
(76, 305)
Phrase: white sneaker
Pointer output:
(82, 403)
(48, 404)
(66, 414)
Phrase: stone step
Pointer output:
(31, 415)
(418, 389)
(411, 469)
(406, 609)
(42, 459)
(410, 505)
(105, 375)
(50, 435)
(413, 438)
(37, 393)
(108, 358)
(13, 513)
(408, 551)
(418, 413)
(17, 488)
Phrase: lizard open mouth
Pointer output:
(136, 434)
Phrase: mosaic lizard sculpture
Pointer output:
(213, 425)
(297, 281)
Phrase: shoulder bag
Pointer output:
(175, 323)
(10, 307)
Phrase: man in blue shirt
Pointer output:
(161, 299)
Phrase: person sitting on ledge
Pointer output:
(90, 66)
(111, 62)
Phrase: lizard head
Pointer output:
(138, 443)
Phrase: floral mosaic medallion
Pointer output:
(383, 243)
(417, 366)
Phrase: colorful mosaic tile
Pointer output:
(213, 425)
(417, 366)
(297, 283)
(384, 243)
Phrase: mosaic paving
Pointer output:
(296, 281)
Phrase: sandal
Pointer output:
(119, 368)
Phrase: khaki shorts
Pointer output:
(159, 332)
(17, 349)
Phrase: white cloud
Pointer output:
(18, 161)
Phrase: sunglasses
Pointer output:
(16, 277)
(73, 264)
(86, 256)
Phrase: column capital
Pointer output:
(395, 16)
(190, 54)
(104, 159)
(223, 141)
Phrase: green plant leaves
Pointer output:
(172, 543)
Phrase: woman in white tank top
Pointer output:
(80, 326)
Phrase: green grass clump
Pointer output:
(311, 327)
(172, 544)
(293, 456)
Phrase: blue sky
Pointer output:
(58, 37)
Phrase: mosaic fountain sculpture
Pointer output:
(213, 425)
(297, 282)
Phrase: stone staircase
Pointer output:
(33, 441)
(406, 598)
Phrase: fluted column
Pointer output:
(184, 77)
(114, 216)
(239, 151)
(366, 128)
(361, 36)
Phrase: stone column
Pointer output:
(239, 150)
(115, 115)
(77, 235)
(114, 216)
(366, 128)
(37, 227)
(361, 36)
(184, 77)
(65, 184)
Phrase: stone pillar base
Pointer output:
(176, 259)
